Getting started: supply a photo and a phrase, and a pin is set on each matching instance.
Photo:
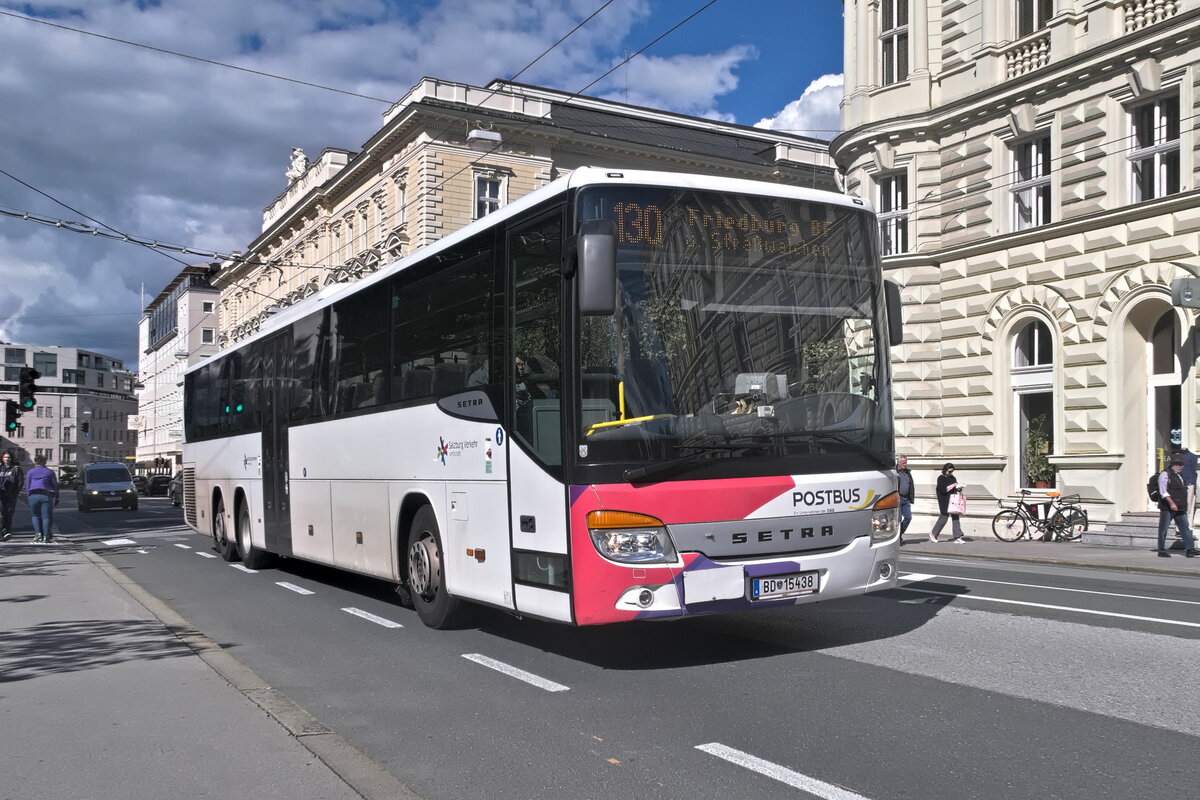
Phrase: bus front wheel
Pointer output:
(426, 574)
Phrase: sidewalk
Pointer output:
(107, 693)
(983, 545)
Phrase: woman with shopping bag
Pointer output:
(951, 504)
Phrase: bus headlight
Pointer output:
(885, 518)
(630, 538)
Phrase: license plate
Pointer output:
(776, 586)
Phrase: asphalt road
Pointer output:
(971, 681)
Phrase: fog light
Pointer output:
(885, 571)
(645, 598)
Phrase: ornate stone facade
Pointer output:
(1047, 198)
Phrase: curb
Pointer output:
(362, 774)
(1067, 563)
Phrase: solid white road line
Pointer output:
(115, 542)
(1093, 612)
(513, 672)
(293, 587)
(184, 546)
(922, 577)
(244, 568)
(358, 612)
(205, 555)
(781, 774)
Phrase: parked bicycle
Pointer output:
(1063, 521)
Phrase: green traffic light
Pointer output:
(226, 409)
(12, 426)
(239, 408)
(27, 403)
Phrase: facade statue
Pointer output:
(299, 164)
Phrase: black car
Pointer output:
(175, 489)
(157, 486)
(139, 483)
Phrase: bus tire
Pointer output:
(221, 541)
(251, 556)
(433, 603)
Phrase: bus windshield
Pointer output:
(747, 327)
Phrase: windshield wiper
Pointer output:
(635, 474)
(883, 459)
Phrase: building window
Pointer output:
(487, 195)
(46, 364)
(1030, 185)
(76, 376)
(1032, 15)
(893, 37)
(1033, 346)
(207, 335)
(207, 306)
(100, 380)
(1154, 153)
(893, 214)
(14, 355)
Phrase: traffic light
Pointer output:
(12, 412)
(28, 389)
(85, 428)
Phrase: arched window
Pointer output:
(1031, 376)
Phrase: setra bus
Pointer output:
(628, 395)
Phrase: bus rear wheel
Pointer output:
(426, 582)
(221, 541)
(251, 556)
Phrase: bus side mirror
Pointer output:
(891, 290)
(597, 271)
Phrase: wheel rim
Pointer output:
(219, 534)
(423, 566)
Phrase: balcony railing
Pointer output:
(1027, 55)
(1144, 13)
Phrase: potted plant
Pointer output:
(1037, 450)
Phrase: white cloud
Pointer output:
(688, 84)
(816, 113)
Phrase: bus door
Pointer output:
(533, 386)
(276, 404)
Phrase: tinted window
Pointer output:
(444, 335)
(359, 326)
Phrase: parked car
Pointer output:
(139, 483)
(105, 484)
(175, 490)
(157, 486)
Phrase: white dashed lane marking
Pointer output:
(513, 672)
(358, 612)
(796, 780)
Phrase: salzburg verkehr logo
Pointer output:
(442, 450)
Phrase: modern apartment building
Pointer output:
(178, 328)
(449, 153)
(1035, 166)
(83, 407)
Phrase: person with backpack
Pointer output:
(1172, 505)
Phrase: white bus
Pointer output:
(628, 395)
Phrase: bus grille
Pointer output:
(189, 495)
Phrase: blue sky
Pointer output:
(189, 153)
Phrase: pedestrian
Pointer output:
(1189, 480)
(1173, 507)
(12, 480)
(41, 487)
(907, 491)
(946, 486)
